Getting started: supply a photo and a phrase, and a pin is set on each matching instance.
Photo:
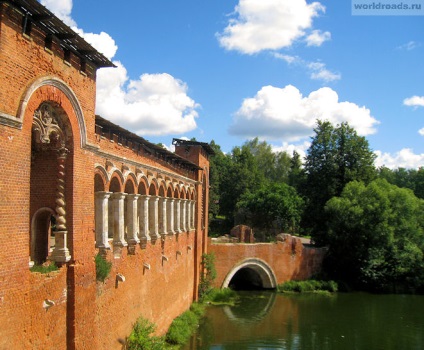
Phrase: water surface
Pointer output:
(360, 321)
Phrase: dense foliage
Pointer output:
(337, 155)
(376, 235)
(275, 205)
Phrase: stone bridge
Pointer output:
(265, 265)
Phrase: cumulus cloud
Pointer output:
(62, 9)
(414, 101)
(405, 158)
(317, 37)
(269, 25)
(153, 104)
(421, 132)
(283, 113)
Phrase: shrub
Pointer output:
(308, 286)
(182, 328)
(103, 268)
(141, 337)
(208, 274)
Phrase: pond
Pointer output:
(268, 320)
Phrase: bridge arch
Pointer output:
(262, 269)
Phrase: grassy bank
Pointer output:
(308, 286)
(181, 329)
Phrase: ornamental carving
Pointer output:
(46, 126)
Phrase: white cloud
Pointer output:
(102, 42)
(268, 25)
(317, 38)
(405, 158)
(301, 148)
(414, 101)
(409, 46)
(61, 8)
(283, 113)
(288, 58)
(421, 132)
(320, 72)
(154, 104)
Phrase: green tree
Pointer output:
(296, 175)
(337, 155)
(273, 205)
(241, 175)
(274, 166)
(376, 237)
(217, 165)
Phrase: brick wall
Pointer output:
(86, 313)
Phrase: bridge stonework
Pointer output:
(275, 263)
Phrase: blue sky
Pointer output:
(235, 69)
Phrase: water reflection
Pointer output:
(253, 309)
(266, 320)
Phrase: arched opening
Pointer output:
(50, 183)
(246, 279)
(252, 274)
(98, 183)
(42, 235)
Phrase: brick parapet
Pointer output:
(289, 260)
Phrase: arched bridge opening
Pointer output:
(251, 274)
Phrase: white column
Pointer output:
(132, 222)
(102, 221)
(188, 215)
(193, 214)
(153, 217)
(183, 215)
(177, 208)
(118, 219)
(143, 219)
(170, 216)
(162, 216)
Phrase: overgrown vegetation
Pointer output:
(103, 268)
(45, 268)
(184, 325)
(218, 296)
(142, 338)
(208, 275)
(308, 286)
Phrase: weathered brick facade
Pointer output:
(141, 207)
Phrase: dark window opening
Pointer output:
(26, 25)
(67, 56)
(83, 66)
(48, 42)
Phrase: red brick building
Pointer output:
(74, 185)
